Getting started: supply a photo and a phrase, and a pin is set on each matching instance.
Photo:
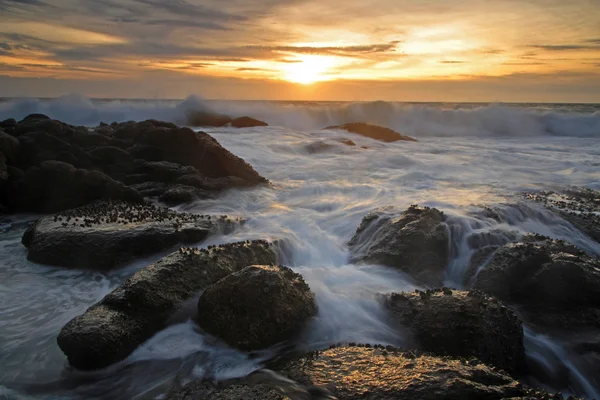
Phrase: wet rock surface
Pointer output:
(461, 324)
(257, 307)
(130, 153)
(373, 131)
(380, 373)
(107, 234)
(416, 243)
(555, 283)
(579, 206)
(113, 328)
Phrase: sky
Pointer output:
(397, 50)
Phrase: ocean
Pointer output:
(467, 156)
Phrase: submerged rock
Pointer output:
(106, 234)
(461, 324)
(415, 243)
(349, 373)
(318, 147)
(257, 307)
(113, 328)
(373, 131)
(555, 283)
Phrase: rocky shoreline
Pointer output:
(49, 166)
(466, 342)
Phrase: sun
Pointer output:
(308, 69)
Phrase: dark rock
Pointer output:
(257, 307)
(15, 174)
(415, 243)
(206, 118)
(210, 184)
(130, 131)
(180, 194)
(3, 170)
(247, 122)
(49, 126)
(114, 233)
(163, 171)
(9, 147)
(112, 329)
(579, 206)
(199, 150)
(202, 390)
(349, 373)
(461, 324)
(9, 176)
(478, 260)
(145, 152)
(164, 153)
(108, 155)
(121, 144)
(105, 130)
(494, 237)
(373, 131)
(135, 179)
(55, 186)
(34, 117)
(8, 125)
(90, 139)
(150, 189)
(38, 147)
(555, 283)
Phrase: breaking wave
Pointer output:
(419, 120)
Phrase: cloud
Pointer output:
(253, 69)
(564, 47)
(524, 63)
(185, 9)
(183, 37)
(331, 50)
(494, 51)
(5, 4)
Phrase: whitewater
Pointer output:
(467, 156)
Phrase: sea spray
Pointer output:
(413, 119)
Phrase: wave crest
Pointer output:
(419, 120)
